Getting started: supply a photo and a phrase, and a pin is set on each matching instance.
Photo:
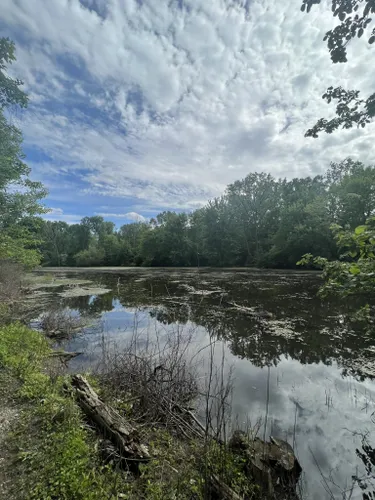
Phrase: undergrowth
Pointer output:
(58, 456)
(56, 451)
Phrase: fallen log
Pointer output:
(114, 427)
(121, 439)
(222, 490)
(270, 465)
(64, 355)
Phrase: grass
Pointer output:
(56, 452)
(58, 456)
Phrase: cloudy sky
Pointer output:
(138, 106)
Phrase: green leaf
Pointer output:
(360, 229)
(354, 270)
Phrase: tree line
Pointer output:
(258, 221)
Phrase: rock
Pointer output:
(272, 465)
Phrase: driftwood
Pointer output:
(271, 465)
(114, 427)
(121, 440)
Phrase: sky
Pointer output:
(140, 106)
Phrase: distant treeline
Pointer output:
(259, 221)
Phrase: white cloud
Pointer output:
(133, 216)
(55, 211)
(57, 214)
(175, 104)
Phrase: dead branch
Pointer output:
(114, 427)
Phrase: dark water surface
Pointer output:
(294, 358)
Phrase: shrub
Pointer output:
(58, 457)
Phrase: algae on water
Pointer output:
(83, 291)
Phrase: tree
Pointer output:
(10, 93)
(351, 192)
(93, 256)
(304, 222)
(217, 238)
(98, 226)
(19, 196)
(131, 237)
(354, 273)
(79, 238)
(255, 208)
(167, 242)
(354, 17)
(259, 221)
(55, 244)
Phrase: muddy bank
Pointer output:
(183, 270)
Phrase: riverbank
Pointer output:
(120, 269)
(53, 451)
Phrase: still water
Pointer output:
(297, 364)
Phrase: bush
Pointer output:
(10, 281)
(93, 256)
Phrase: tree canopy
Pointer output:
(355, 21)
(19, 195)
(258, 221)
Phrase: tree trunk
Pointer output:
(114, 428)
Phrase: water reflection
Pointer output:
(278, 335)
(281, 315)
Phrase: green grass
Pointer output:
(57, 456)
(57, 453)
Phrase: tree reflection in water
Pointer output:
(263, 317)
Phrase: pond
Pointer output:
(296, 363)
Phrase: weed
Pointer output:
(60, 323)
(56, 451)
(59, 456)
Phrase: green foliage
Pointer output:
(173, 473)
(58, 457)
(57, 453)
(19, 196)
(354, 20)
(183, 469)
(5, 313)
(351, 192)
(354, 274)
(22, 350)
(259, 221)
(15, 249)
(93, 256)
(10, 93)
(230, 467)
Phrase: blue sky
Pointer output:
(139, 106)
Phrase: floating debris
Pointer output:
(81, 291)
(58, 282)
